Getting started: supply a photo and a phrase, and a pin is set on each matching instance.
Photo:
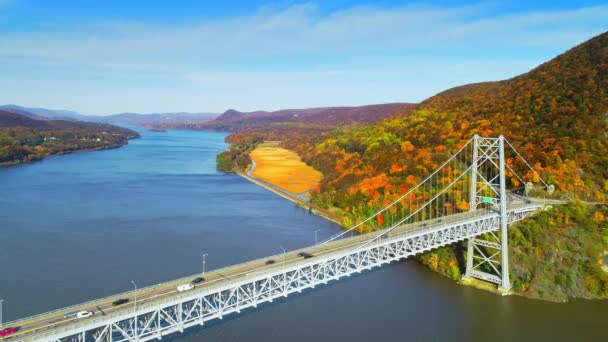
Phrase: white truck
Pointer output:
(185, 287)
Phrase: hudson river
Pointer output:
(82, 226)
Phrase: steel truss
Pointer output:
(155, 320)
(488, 188)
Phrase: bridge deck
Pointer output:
(167, 291)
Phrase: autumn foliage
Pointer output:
(24, 139)
(556, 116)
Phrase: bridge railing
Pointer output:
(414, 228)
(185, 279)
(96, 301)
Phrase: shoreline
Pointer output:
(287, 195)
(298, 198)
(63, 153)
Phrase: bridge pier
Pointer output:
(488, 258)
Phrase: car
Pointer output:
(185, 287)
(70, 315)
(270, 262)
(8, 331)
(120, 301)
(198, 280)
(305, 255)
(84, 314)
(384, 236)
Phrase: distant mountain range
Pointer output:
(233, 120)
(154, 119)
(146, 120)
(42, 112)
(14, 119)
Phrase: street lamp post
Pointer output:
(135, 293)
(284, 256)
(204, 262)
(284, 271)
(1, 300)
(135, 304)
(316, 240)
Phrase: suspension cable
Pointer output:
(516, 175)
(417, 210)
(528, 165)
(399, 199)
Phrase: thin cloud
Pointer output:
(404, 54)
(299, 29)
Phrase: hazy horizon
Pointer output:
(174, 112)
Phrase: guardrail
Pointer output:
(413, 228)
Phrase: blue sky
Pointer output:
(103, 57)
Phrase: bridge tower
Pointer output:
(488, 258)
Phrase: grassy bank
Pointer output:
(283, 168)
(278, 170)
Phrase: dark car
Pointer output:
(8, 331)
(305, 255)
(120, 301)
(198, 280)
(270, 262)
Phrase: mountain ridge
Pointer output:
(555, 115)
(44, 112)
(233, 120)
(561, 105)
(143, 119)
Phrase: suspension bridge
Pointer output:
(465, 198)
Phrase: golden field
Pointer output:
(283, 168)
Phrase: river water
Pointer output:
(82, 226)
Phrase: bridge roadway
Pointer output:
(35, 326)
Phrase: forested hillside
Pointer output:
(29, 138)
(556, 115)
